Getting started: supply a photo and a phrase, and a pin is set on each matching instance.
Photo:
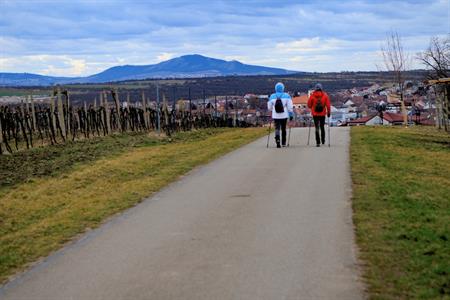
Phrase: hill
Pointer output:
(28, 79)
(181, 67)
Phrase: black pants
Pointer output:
(280, 123)
(320, 122)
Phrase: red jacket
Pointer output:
(315, 96)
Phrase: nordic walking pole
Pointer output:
(289, 135)
(329, 137)
(268, 136)
(309, 131)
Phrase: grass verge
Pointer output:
(20, 167)
(44, 212)
(401, 203)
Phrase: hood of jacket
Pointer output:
(279, 89)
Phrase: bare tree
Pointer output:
(437, 58)
(397, 61)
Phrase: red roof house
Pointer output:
(374, 119)
(300, 101)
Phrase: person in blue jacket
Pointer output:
(280, 104)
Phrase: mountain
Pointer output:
(28, 79)
(181, 67)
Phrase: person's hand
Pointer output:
(328, 115)
(291, 115)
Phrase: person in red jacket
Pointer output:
(319, 103)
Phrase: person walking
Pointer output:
(319, 103)
(280, 104)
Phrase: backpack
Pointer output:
(319, 105)
(279, 108)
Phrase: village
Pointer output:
(373, 105)
(376, 105)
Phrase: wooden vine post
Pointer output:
(115, 94)
(1, 133)
(116, 99)
(33, 112)
(27, 107)
(69, 116)
(52, 112)
(23, 121)
(166, 115)
(108, 120)
(62, 124)
(144, 106)
(102, 119)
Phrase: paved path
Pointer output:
(256, 224)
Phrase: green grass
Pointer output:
(401, 203)
(92, 180)
(22, 92)
(12, 92)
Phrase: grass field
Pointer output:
(49, 195)
(401, 202)
(22, 92)
(13, 92)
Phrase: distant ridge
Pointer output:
(28, 79)
(193, 65)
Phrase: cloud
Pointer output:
(315, 44)
(81, 37)
(56, 65)
(164, 56)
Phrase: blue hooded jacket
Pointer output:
(279, 93)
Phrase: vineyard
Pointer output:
(26, 125)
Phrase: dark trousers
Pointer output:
(280, 124)
(320, 122)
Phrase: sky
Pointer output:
(84, 37)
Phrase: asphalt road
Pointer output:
(255, 224)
